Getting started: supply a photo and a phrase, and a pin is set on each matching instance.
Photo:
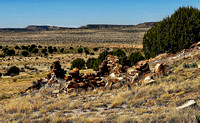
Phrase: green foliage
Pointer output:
(10, 52)
(24, 47)
(100, 59)
(95, 49)
(62, 50)
(80, 50)
(92, 53)
(44, 50)
(192, 65)
(174, 33)
(5, 49)
(17, 47)
(33, 46)
(121, 55)
(25, 53)
(13, 71)
(39, 46)
(35, 50)
(45, 54)
(50, 50)
(86, 50)
(78, 63)
(49, 47)
(55, 49)
(90, 62)
(135, 57)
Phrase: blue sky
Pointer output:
(74, 13)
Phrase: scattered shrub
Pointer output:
(95, 49)
(78, 63)
(10, 52)
(33, 46)
(90, 62)
(71, 48)
(86, 50)
(44, 50)
(121, 55)
(35, 50)
(100, 59)
(45, 54)
(91, 53)
(49, 47)
(135, 57)
(39, 46)
(24, 47)
(50, 50)
(25, 53)
(17, 47)
(192, 65)
(13, 71)
(5, 49)
(55, 49)
(62, 50)
(80, 50)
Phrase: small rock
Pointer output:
(148, 80)
(55, 91)
(187, 104)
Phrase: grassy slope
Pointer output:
(156, 102)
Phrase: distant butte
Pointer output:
(89, 26)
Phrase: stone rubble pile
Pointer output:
(109, 76)
(142, 72)
(51, 79)
(61, 83)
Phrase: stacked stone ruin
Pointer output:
(77, 80)
(110, 75)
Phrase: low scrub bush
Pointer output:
(10, 52)
(78, 63)
(192, 65)
(12, 71)
(25, 53)
(80, 50)
(62, 50)
(90, 62)
(135, 57)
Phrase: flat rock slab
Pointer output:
(187, 104)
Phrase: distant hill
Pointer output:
(98, 26)
(44, 28)
(35, 28)
(89, 26)
(146, 24)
